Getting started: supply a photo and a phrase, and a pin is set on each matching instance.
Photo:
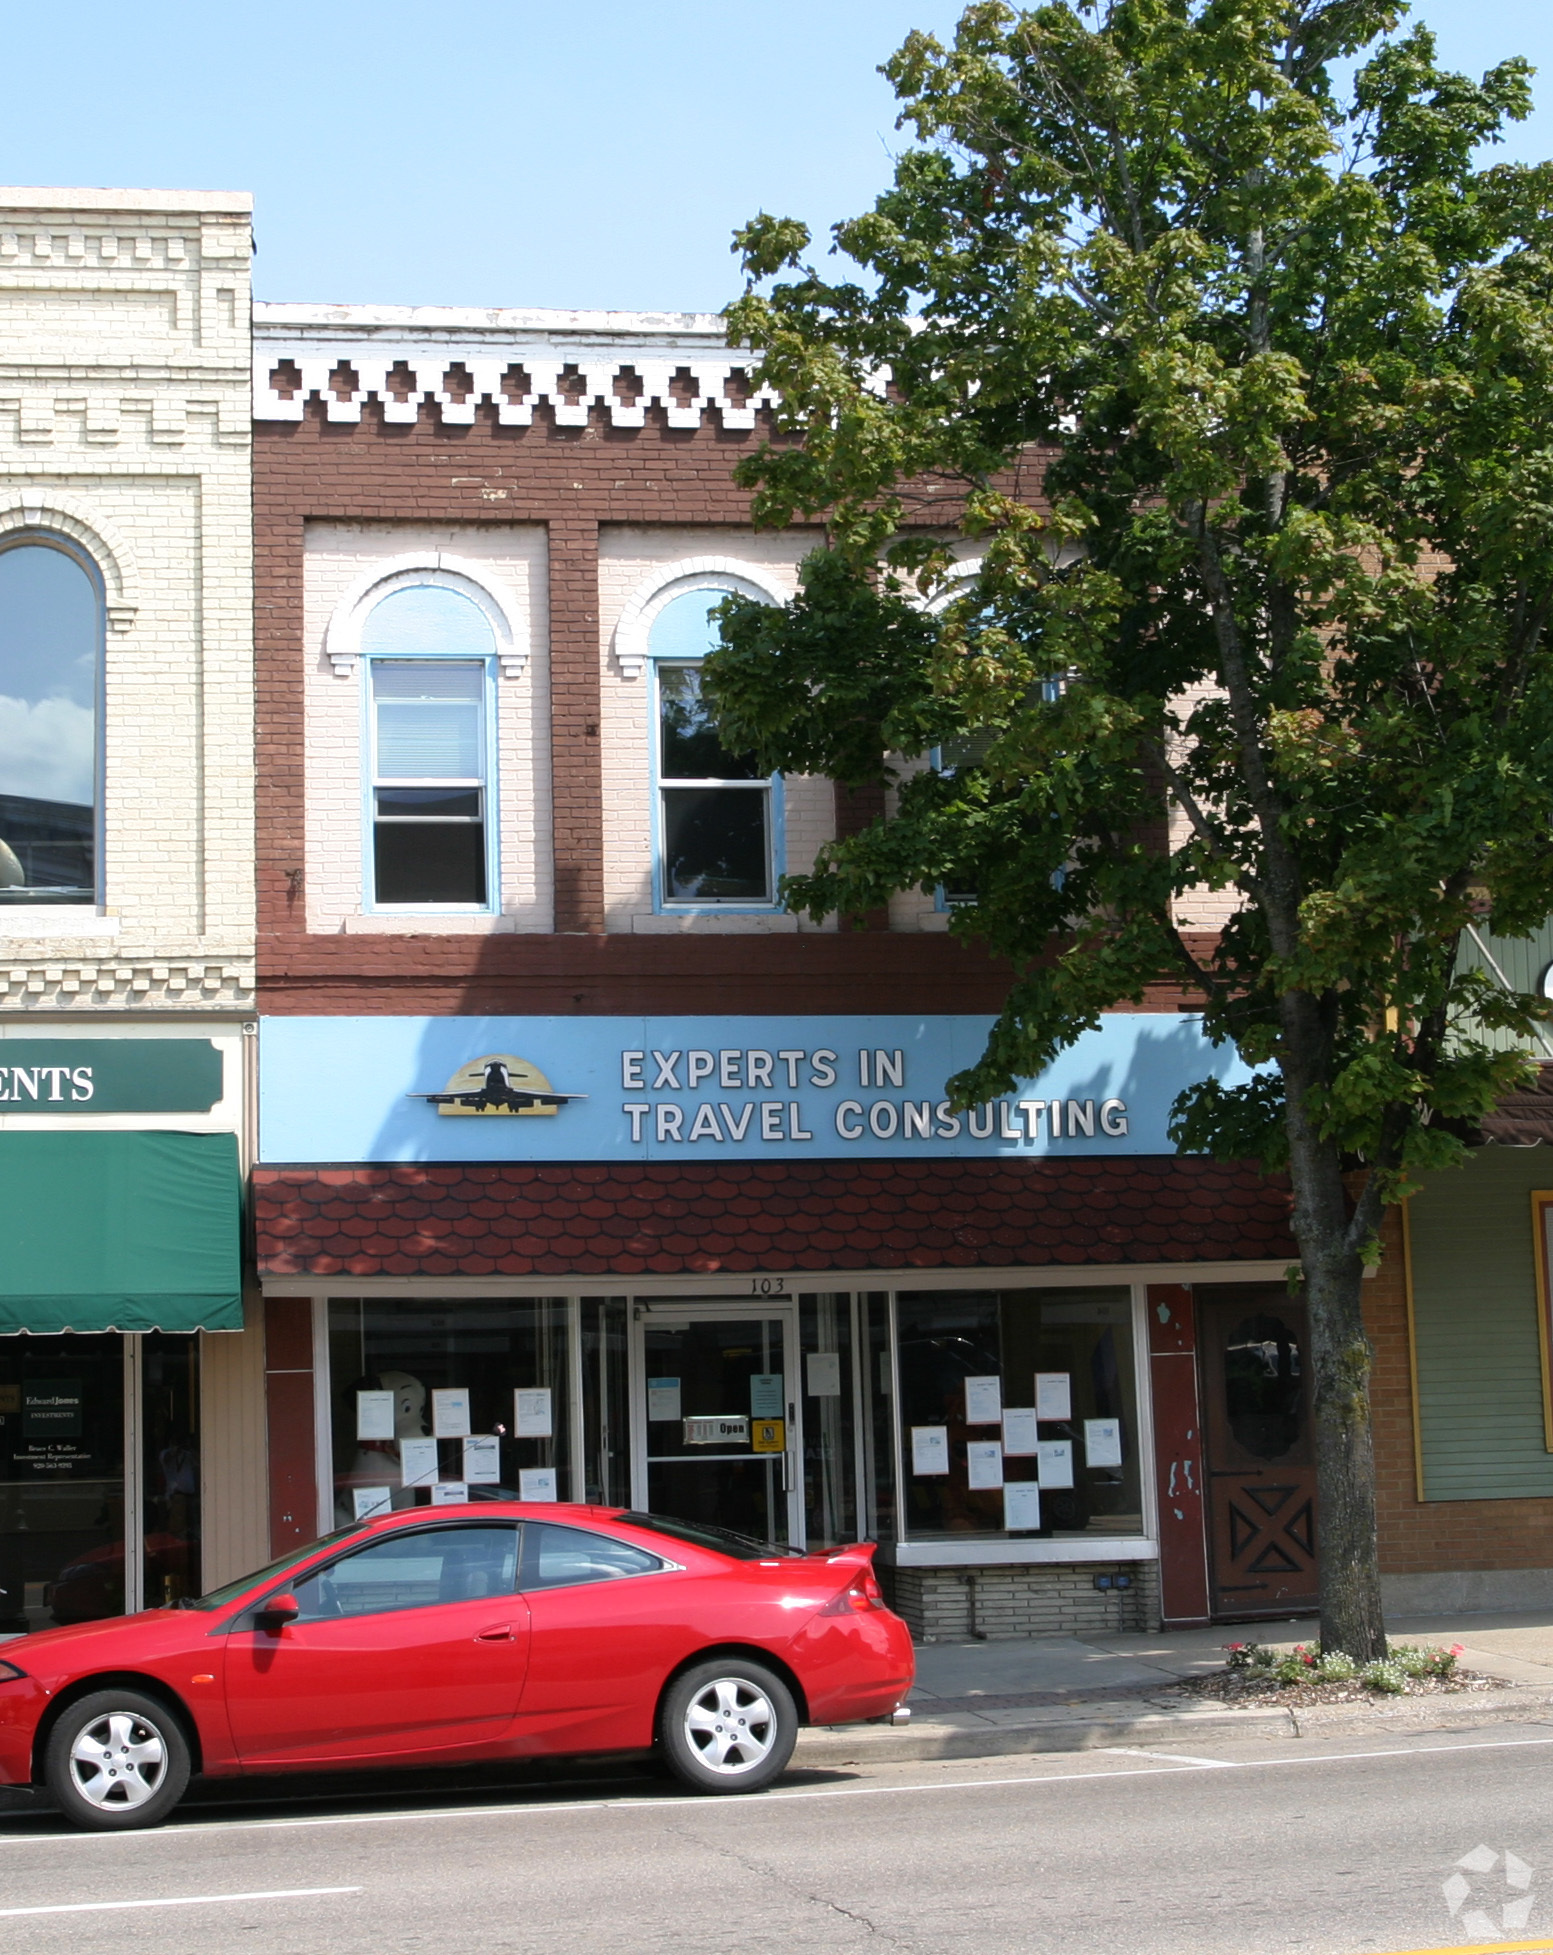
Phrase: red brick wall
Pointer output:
(571, 480)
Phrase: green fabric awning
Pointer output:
(119, 1231)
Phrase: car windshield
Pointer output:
(230, 1591)
(701, 1534)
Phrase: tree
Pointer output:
(1207, 329)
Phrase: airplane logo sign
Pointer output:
(498, 1083)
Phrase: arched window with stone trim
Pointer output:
(717, 818)
(51, 643)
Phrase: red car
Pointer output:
(436, 1636)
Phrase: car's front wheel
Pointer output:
(115, 1760)
(727, 1726)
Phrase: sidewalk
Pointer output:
(1066, 1693)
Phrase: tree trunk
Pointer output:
(1347, 1558)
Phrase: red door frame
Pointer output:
(1178, 1456)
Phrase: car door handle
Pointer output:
(502, 1633)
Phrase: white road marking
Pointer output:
(534, 1810)
(1179, 1757)
(178, 1900)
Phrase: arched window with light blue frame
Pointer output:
(429, 652)
(717, 820)
(51, 638)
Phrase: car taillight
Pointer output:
(861, 1594)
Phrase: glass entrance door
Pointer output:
(714, 1409)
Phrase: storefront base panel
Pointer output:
(1468, 1591)
(995, 1605)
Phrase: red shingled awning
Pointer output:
(664, 1219)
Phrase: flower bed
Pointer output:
(1306, 1675)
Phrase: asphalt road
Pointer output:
(1328, 1847)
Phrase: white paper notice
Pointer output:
(824, 1369)
(536, 1483)
(983, 1464)
(1053, 1396)
(482, 1459)
(983, 1401)
(662, 1398)
(532, 1417)
(929, 1449)
(766, 1395)
(449, 1493)
(374, 1415)
(450, 1412)
(1021, 1505)
(1056, 1457)
(417, 1462)
(372, 1500)
(1103, 1442)
(1019, 1433)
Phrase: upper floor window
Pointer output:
(716, 814)
(429, 654)
(50, 682)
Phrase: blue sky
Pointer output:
(505, 152)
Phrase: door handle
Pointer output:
(502, 1633)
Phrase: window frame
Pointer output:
(490, 785)
(772, 786)
(50, 539)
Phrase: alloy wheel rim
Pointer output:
(730, 1726)
(117, 1761)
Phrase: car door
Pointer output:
(414, 1644)
(607, 1623)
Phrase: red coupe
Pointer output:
(431, 1637)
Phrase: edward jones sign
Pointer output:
(375, 1089)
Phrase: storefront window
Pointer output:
(170, 1465)
(829, 1420)
(606, 1402)
(442, 1402)
(1019, 1413)
(61, 1480)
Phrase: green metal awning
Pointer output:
(119, 1231)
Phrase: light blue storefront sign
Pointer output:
(707, 1088)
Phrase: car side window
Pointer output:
(413, 1570)
(560, 1557)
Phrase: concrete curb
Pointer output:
(1146, 1724)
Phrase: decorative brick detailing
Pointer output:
(664, 1219)
(661, 586)
(995, 1605)
(152, 987)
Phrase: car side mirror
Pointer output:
(277, 1612)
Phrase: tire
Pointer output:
(116, 1760)
(727, 1725)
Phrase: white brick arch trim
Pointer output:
(105, 546)
(961, 573)
(669, 581)
(441, 569)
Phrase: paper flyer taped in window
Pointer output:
(537, 1483)
(1019, 1430)
(824, 1369)
(662, 1398)
(449, 1493)
(374, 1415)
(929, 1450)
(1021, 1505)
(371, 1501)
(1102, 1442)
(482, 1459)
(983, 1464)
(1053, 1395)
(532, 1415)
(1056, 1462)
(983, 1401)
(417, 1462)
(450, 1412)
(765, 1395)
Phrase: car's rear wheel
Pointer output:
(116, 1760)
(727, 1726)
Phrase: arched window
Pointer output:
(717, 816)
(50, 681)
(430, 656)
